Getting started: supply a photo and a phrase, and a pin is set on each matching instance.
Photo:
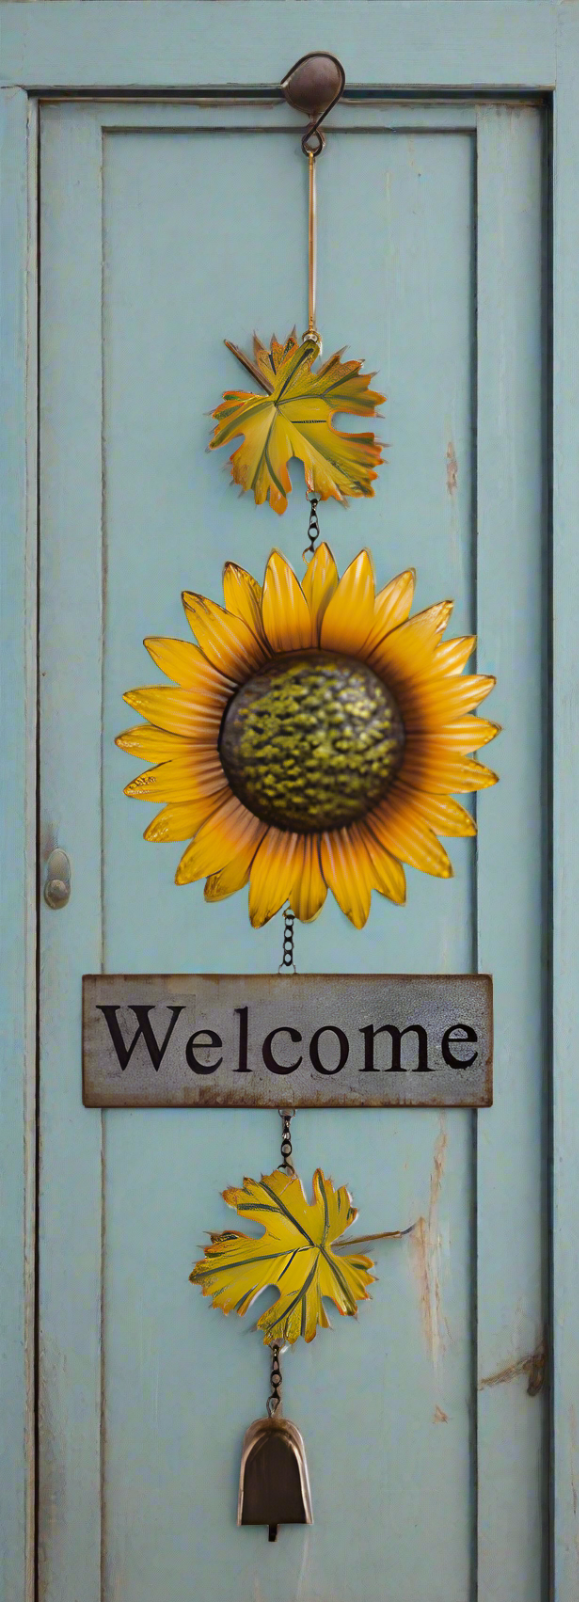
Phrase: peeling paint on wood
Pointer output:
(427, 1245)
(451, 469)
(534, 1365)
(439, 1416)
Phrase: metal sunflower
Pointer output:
(314, 739)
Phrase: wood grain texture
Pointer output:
(438, 44)
(165, 1457)
(565, 680)
(17, 838)
(142, 43)
(70, 1168)
(170, 1442)
(513, 845)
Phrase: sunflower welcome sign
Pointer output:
(314, 738)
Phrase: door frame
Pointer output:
(66, 48)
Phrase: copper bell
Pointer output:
(274, 1485)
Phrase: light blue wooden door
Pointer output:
(164, 228)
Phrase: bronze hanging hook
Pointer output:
(314, 85)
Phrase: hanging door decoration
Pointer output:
(314, 737)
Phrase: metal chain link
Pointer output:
(313, 529)
(287, 961)
(274, 1399)
(286, 1142)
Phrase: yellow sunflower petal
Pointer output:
(279, 859)
(443, 814)
(452, 655)
(227, 641)
(186, 664)
(309, 890)
(465, 734)
(284, 609)
(430, 767)
(439, 700)
(182, 779)
(392, 607)
(388, 876)
(347, 871)
(349, 615)
(177, 711)
(154, 745)
(319, 583)
(408, 650)
(219, 840)
(221, 885)
(398, 826)
(181, 819)
(242, 596)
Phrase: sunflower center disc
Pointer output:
(312, 741)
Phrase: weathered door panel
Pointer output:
(164, 229)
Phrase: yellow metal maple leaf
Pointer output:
(294, 418)
(295, 1253)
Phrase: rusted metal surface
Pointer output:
(319, 1040)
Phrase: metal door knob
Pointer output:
(57, 882)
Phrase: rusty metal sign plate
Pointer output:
(316, 1040)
